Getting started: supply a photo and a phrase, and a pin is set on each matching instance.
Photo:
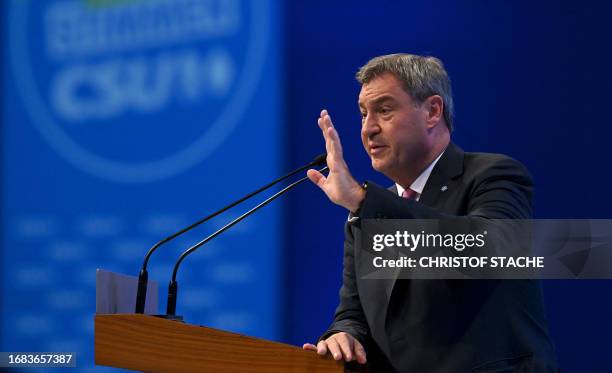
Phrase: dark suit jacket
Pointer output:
(447, 325)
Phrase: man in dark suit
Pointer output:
(427, 325)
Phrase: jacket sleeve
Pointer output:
(349, 316)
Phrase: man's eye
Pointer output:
(384, 111)
(363, 115)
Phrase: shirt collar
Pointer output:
(419, 184)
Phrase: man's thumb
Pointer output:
(316, 177)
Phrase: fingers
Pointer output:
(332, 140)
(334, 348)
(360, 353)
(340, 346)
(346, 345)
(324, 120)
(322, 348)
(324, 129)
(339, 185)
(335, 147)
(329, 345)
(316, 177)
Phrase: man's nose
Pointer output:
(370, 126)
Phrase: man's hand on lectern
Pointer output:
(340, 345)
(339, 185)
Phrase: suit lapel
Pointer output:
(449, 167)
(445, 172)
(441, 181)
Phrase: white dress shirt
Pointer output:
(419, 184)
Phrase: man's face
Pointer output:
(393, 127)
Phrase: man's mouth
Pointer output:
(377, 149)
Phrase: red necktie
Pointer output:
(409, 194)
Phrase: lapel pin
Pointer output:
(444, 188)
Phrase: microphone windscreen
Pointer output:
(320, 159)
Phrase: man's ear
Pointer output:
(435, 110)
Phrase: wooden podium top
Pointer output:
(153, 344)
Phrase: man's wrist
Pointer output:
(359, 196)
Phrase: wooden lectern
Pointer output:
(152, 344)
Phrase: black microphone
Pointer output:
(173, 286)
(143, 276)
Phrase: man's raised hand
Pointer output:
(339, 185)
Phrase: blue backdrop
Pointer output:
(123, 120)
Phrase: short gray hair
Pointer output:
(423, 76)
